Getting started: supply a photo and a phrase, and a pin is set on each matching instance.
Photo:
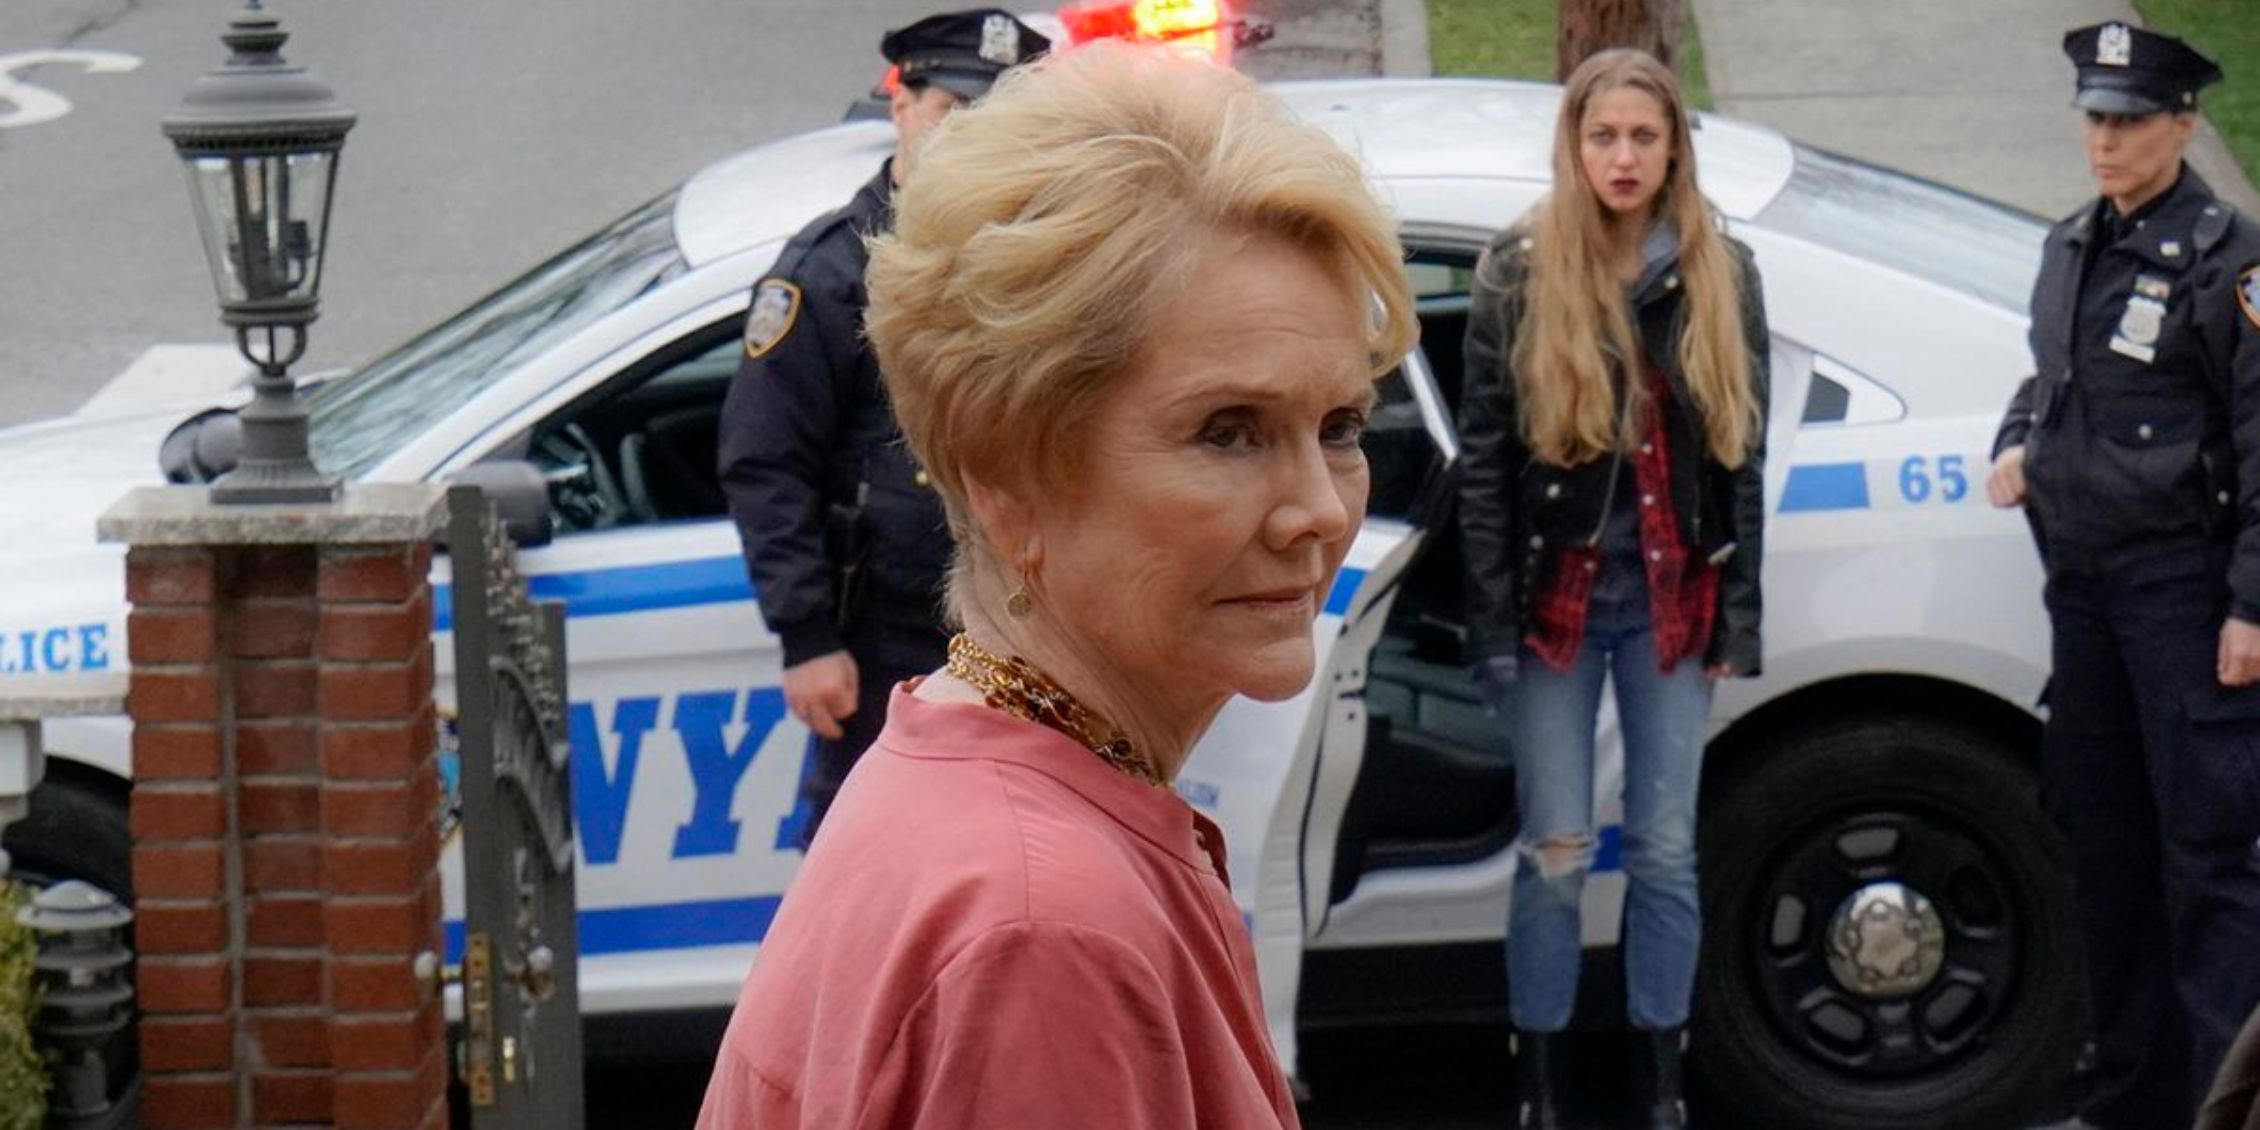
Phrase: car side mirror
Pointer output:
(202, 447)
(520, 495)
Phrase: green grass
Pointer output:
(23, 1078)
(1691, 72)
(1515, 39)
(2229, 32)
(1492, 38)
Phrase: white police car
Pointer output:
(1886, 906)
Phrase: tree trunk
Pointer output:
(1588, 27)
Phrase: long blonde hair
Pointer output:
(1573, 300)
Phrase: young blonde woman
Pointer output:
(1611, 504)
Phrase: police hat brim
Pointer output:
(969, 85)
(2110, 100)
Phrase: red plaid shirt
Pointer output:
(1683, 588)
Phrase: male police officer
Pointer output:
(2137, 448)
(846, 542)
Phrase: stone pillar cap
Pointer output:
(367, 514)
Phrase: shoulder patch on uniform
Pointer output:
(2248, 295)
(776, 306)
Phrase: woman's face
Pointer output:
(916, 111)
(1625, 147)
(2136, 155)
(1220, 487)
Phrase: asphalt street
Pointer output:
(491, 135)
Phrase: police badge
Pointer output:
(2139, 326)
(1000, 40)
(776, 304)
(2248, 295)
(2114, 46)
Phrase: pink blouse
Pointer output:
(997, 929)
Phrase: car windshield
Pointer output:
(1987, 250)
(359, 419)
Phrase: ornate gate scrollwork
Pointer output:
(520, 1058)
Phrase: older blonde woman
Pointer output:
(1130, 316)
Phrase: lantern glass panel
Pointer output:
(262, 219)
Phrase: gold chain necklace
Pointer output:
(1016, 687)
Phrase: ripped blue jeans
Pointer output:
(1552, 717)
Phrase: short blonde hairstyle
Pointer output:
(1041, 229)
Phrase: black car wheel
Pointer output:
(76, 829)
(1887, 934)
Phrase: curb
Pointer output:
(1404, 39)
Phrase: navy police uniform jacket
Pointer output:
(839, 525)
(2141, 425)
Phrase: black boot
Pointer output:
(1661, 1052)
(1540, 1093)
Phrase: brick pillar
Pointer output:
(285, 809)
(380, 821)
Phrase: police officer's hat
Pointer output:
(962, 52)
(2126, 70)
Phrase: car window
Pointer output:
(1400, 448)
(1963, 242)
(1397, 449)
(1440, 277)
(1826, 402)
(1840, 395)
(359, 419)
(642, 449)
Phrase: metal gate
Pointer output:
(520, 1059)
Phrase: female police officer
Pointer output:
(2137, 449)
(844, 538)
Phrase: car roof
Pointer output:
(1482, 128)
(1404, 129)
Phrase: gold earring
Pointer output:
(1019, 604)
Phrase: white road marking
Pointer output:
(36, 104)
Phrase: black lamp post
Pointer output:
(260, 139)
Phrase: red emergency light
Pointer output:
(1197, 25)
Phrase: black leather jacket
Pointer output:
(1514, 508)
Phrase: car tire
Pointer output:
(1810, 1015)
(76, 829)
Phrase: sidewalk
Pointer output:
(1331, 38)
(1973, 93)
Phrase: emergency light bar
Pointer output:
(1198, 25)
(1204, 27)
